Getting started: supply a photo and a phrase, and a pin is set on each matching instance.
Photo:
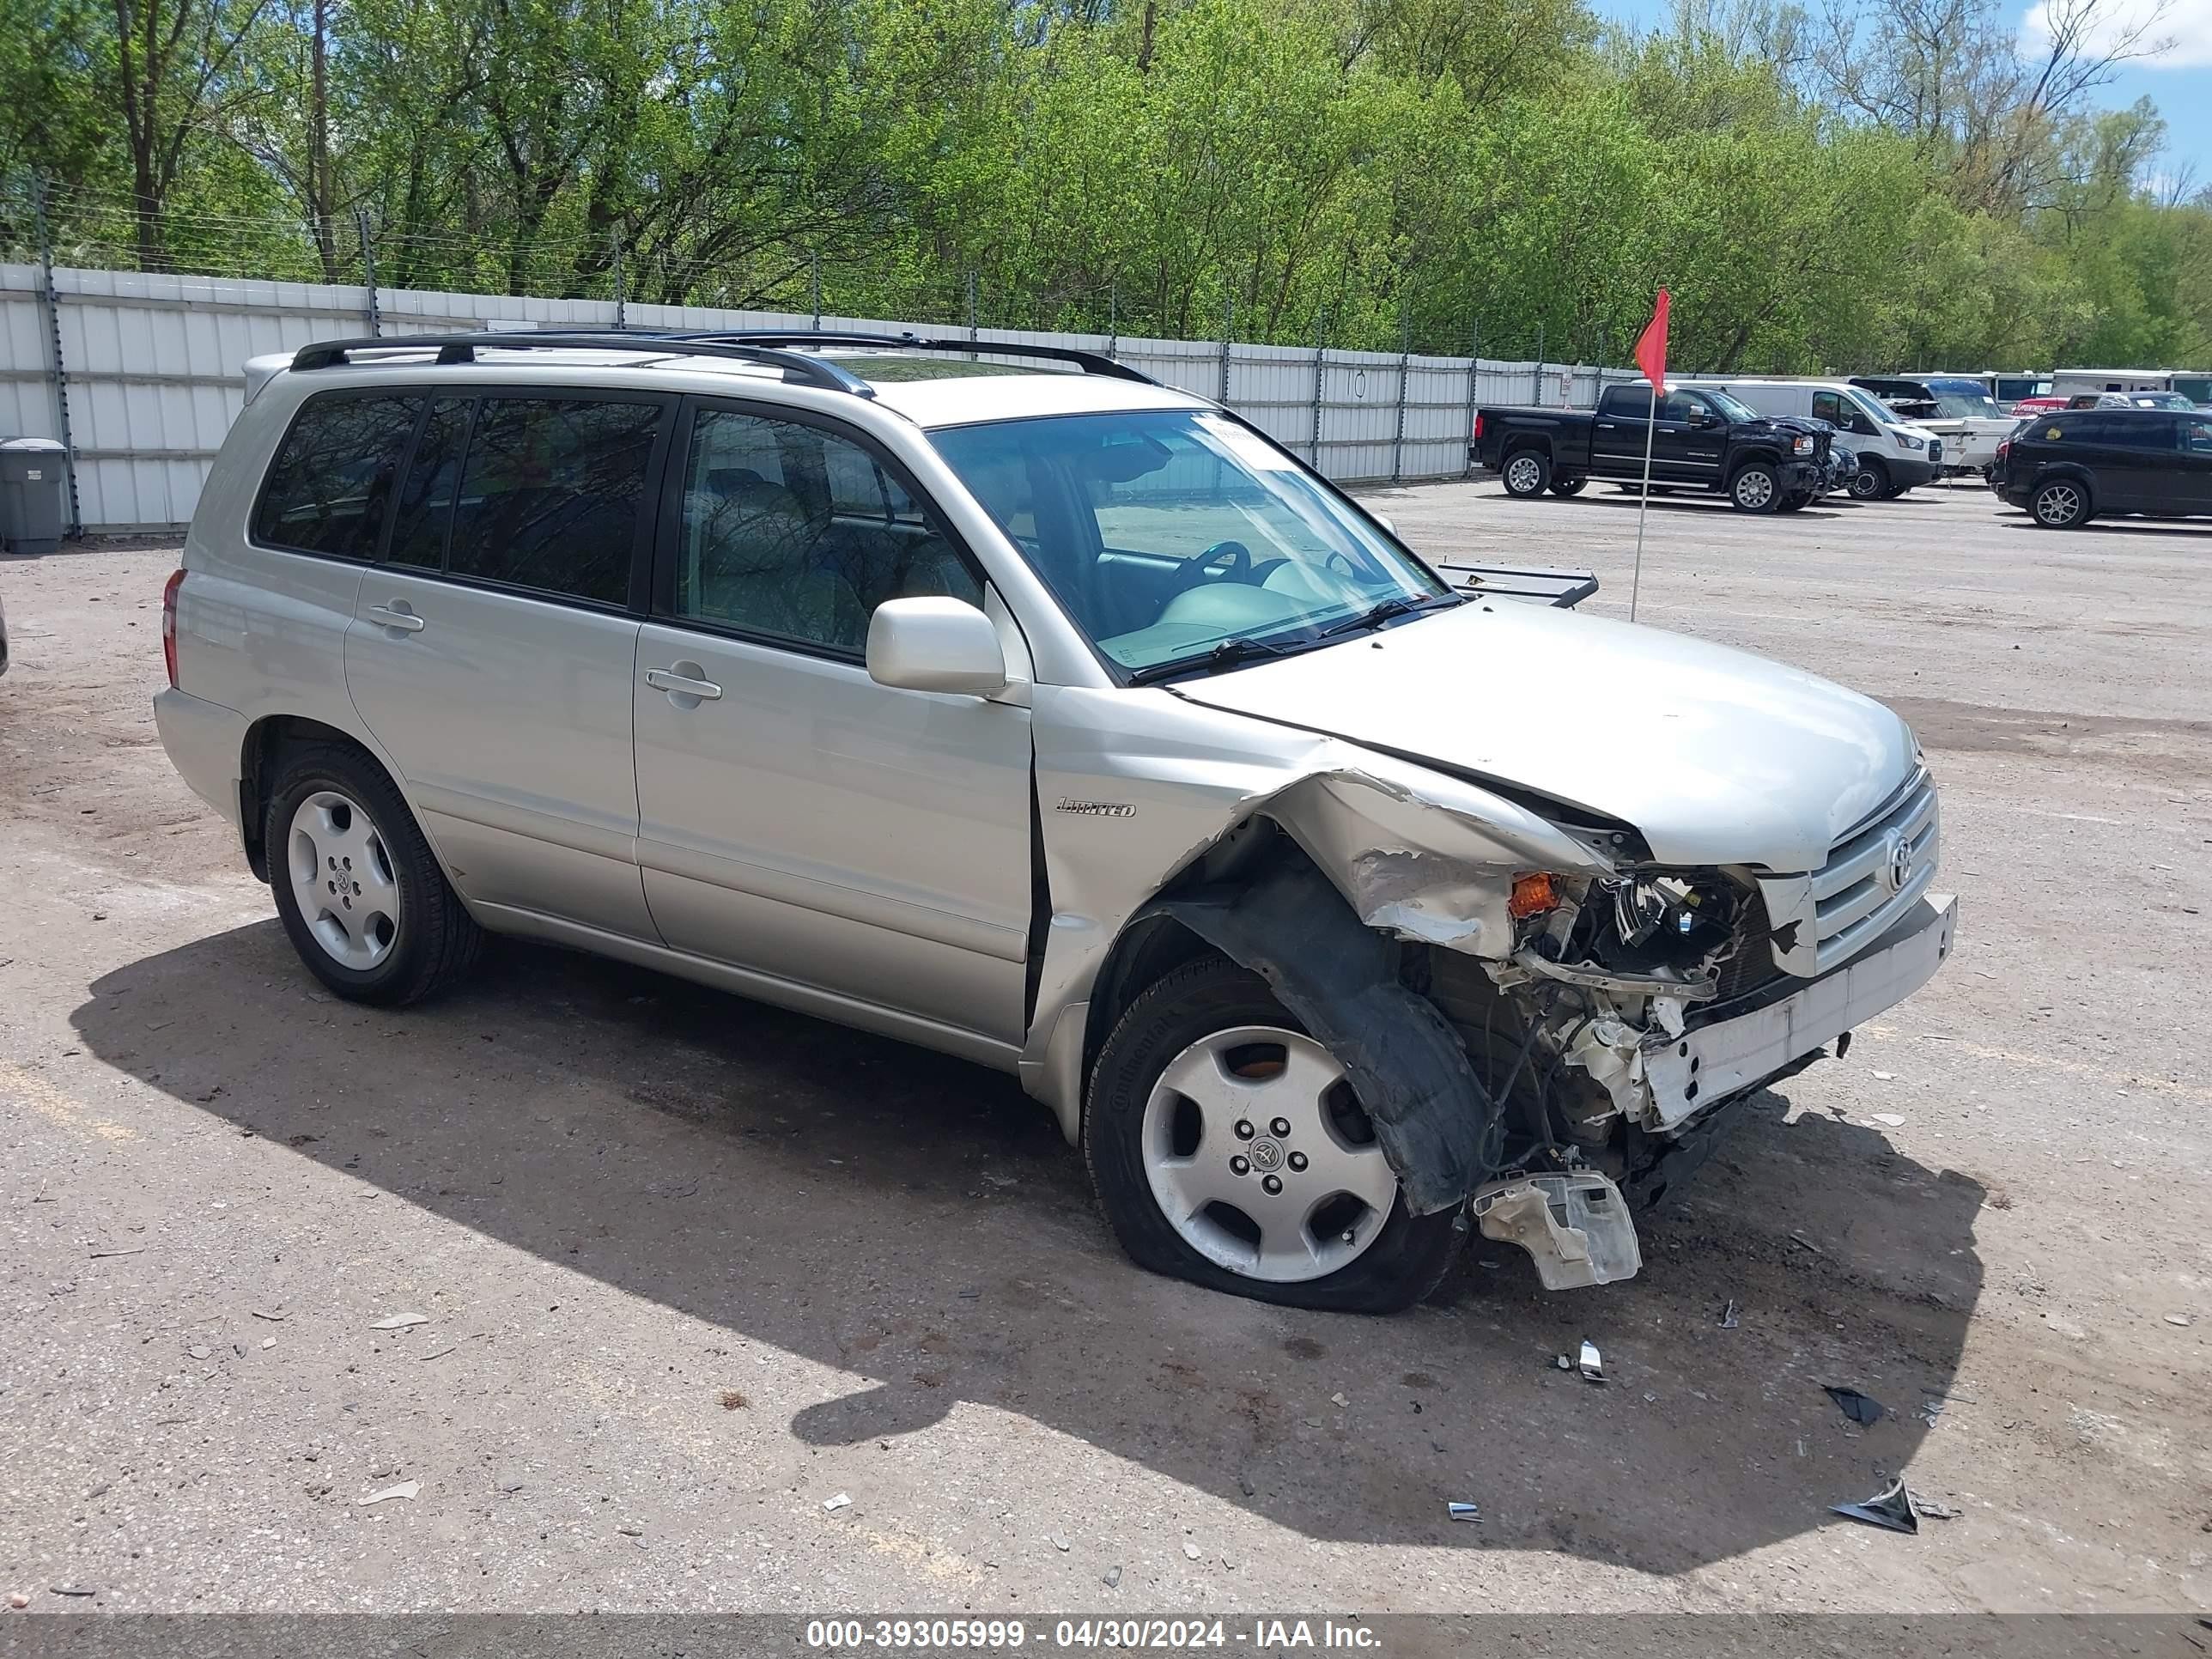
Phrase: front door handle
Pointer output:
(397, 615)
(682, 685)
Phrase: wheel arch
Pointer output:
(261, 757)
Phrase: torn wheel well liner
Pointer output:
(1438, 1126)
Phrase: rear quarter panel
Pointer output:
(260, 631)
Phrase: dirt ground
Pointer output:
(691, 1268)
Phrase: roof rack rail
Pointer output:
(463, 348)
(1090, 362)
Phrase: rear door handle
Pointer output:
(682, 685)
(401, 618)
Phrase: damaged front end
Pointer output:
(1597, 1023)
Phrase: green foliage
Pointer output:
(1439, 175)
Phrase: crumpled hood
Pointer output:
(1717, 755)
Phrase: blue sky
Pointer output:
(2180, 82)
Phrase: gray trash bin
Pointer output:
(32, 481)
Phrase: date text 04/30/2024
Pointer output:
(1258, 1636)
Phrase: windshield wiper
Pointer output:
(1226, 654)
(1396, 605)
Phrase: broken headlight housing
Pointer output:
(1665, 921)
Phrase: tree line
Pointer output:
(1876, 184)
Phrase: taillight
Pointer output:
(2003, 450)
(169, 625)
(1478, 426)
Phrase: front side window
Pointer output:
(797, 532)
(550, 495)
(1729, 407)
(1167, 535)
(330, 486)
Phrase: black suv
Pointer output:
(2069, 467)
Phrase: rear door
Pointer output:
(2131, 455)
(799, 820)
(1679, 453)
(1617, 431)
(492, 651)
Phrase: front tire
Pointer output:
(1208, 1092)
(1871, 482)
(2061, 504)
(1755, 488)
(358, 890)
(1528, 473)
(1564, 487)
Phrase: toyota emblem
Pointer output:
(1899, 869)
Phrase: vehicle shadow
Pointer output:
(2199, 529)
(1702, 502)
(918, 1223)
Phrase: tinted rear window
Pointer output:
(330, 486)
(550, 495)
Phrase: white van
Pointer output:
(1894, 455)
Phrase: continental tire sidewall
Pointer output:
(1404, 1264)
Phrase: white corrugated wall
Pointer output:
(154, 368)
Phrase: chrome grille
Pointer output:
(1873, 876)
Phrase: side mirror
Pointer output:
(1386, 524)
(1701, 416)
(935, 645)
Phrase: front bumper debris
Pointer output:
(1576, 1227)
(1710, 1062)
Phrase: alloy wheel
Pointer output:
(1260, 1157)
(342, 879)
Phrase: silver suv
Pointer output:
(1024, 708)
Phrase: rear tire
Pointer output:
(397, 932)
(2061, 504)
(1391, 1258)
(1796, 502)
(1528, 473)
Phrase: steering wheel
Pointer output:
(1239, 567)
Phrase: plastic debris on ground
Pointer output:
(400, 1321)
(838, 1503)
(1464, 1511)
(1861, 1409)
(1728, 1320)
(409, 1489)
(1930, 1508)
(1892, 1507)
(1593, 1367)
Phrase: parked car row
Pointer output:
(1768, 446)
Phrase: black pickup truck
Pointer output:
(1702, 439)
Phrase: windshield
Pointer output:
(1734, 408)
(1167, 535)
(1965, 400)
(1870, 408)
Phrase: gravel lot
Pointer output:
(689, 1268)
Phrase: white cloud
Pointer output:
(2187, 24)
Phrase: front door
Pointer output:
(491, 653)
(2195, 464)
(799, 820)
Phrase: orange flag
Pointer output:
(1651, 346)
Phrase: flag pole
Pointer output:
(1643, 503)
